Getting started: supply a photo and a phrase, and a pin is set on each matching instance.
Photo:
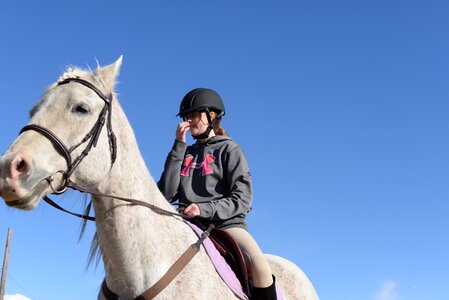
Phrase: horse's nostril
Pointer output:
(21, 166)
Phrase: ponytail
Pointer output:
(218, 129)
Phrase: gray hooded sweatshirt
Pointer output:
(215, 176)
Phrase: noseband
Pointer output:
(92, 136)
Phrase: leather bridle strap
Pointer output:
(55, 205)
(168, 277)
(60, 147)
(89, 85)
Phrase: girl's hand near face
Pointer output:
(181, 131)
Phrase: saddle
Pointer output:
(231, 252)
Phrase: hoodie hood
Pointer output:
(213, 140)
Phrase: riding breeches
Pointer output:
(261, 275)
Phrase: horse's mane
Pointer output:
(94, 256)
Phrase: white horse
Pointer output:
(137, 244)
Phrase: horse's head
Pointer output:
(64, 122)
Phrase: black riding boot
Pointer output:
(267, 293)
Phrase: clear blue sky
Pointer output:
(341, 107)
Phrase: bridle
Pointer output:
(91, 137)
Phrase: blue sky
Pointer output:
(340, 106)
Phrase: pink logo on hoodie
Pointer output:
(205, 165)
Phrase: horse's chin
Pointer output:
(25, 203)
(25, 200)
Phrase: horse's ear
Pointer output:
(107, 75)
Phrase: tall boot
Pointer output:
(267, 293)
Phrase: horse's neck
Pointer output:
(137, 244)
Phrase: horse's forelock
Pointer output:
(75, 72)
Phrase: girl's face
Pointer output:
(198, 122)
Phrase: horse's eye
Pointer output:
(80, 109)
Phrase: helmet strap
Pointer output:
(211, 126)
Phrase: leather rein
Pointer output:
(91, 137)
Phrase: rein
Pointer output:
(74, 186)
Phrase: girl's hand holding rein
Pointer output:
(192, 210)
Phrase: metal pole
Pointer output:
(5, 266)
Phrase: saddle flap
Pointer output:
(233, 255)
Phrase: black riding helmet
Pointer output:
(199, 100)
